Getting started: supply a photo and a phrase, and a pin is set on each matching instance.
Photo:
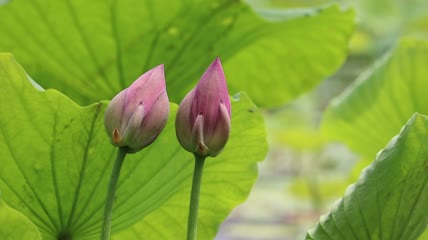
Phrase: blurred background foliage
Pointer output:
(305, 171)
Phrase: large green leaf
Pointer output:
(14, 225)
(390, 199)
(56, 160)
(90, 50)
(302, 48)
(373, 110)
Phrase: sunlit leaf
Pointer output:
(56, 160)
(424, 236)
(390, 199)
(14, 225)
(90, 50)
(374, 109)
(300, 50)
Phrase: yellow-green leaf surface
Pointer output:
(390, 199)
(57, 158)
(91, 50)
(15, 226)
(374, 109)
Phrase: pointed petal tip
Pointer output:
(215, 66)
(217, 63)
(160, 67)
(159, 71)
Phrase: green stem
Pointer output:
(192, 221)
(108, 209)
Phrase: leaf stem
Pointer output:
(192, 221)
(108, 209)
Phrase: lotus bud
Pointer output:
(137, 115)
(203, 118)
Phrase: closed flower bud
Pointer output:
(203, 117)
(137, 115)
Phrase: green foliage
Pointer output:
(302, 139)
(14, 225)
(384, 16)
(327, 188)
(56, 160)
(90, 50)
(390, 199)
(374, 109)
(365, 117)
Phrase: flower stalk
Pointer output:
(108, 208)
(192, 221)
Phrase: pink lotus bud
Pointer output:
(137, 115)
(203, 118)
